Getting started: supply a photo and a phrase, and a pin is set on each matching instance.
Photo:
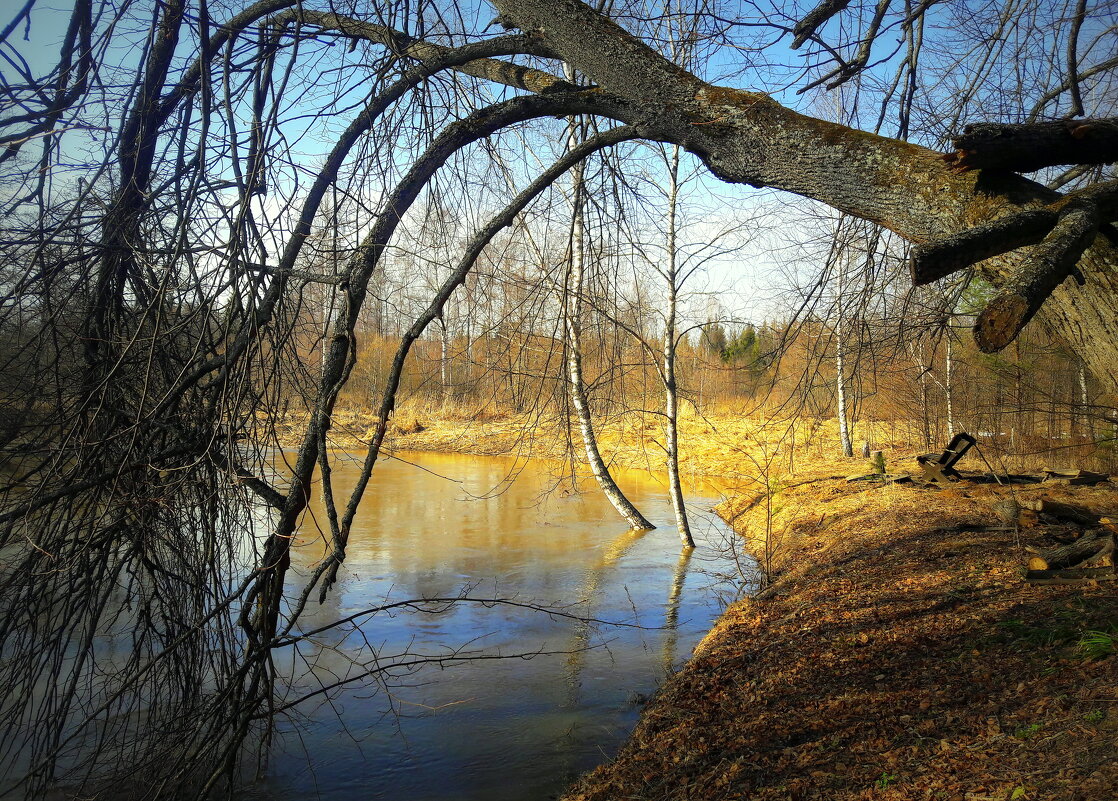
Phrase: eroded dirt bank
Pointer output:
(900, 655)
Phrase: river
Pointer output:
(507, 728)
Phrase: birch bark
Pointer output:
(572, 322)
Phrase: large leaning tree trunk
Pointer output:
(956, 214)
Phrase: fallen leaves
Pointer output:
(883, 671)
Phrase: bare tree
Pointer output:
(573, 292)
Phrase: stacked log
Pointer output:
(1088, 557)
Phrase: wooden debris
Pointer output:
(1064, 511)
(1074, 477)
(940, 467)
(1077, 575)
(1090, 550)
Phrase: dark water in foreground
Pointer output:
(432, 727)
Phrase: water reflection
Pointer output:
(494, 728)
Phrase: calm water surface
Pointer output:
(430, 726)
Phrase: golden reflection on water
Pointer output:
(485, 511)
(439, 525)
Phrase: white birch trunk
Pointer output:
(671, 396)
(840, 376)
(572, 308)
(444, 358)
(949, 388)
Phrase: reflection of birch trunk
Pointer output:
(671, 611)
(671, 395)
(572, 308)
(591, 585)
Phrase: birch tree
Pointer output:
(573, 290)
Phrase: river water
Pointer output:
(550, 695)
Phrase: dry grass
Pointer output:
(725, 444)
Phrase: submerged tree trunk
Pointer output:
(576, 386)
(671, 389)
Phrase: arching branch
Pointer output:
(815, 18)
(457, 278)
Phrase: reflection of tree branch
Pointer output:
(439, 605)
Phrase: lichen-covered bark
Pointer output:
(747, 137)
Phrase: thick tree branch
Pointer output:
(815, 18)
(747, 137)
(935, 260)
(1048, 265)
(942, 257)
(1033, 146)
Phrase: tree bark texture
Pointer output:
(747, 137)
(1032, 146)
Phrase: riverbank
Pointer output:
(739, 449)
(898, 655)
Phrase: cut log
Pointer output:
(1089, 551)
(1064, 511)
(1075, 477)
(1075, 575)
(888, 478)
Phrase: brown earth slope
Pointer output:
(900, 655)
